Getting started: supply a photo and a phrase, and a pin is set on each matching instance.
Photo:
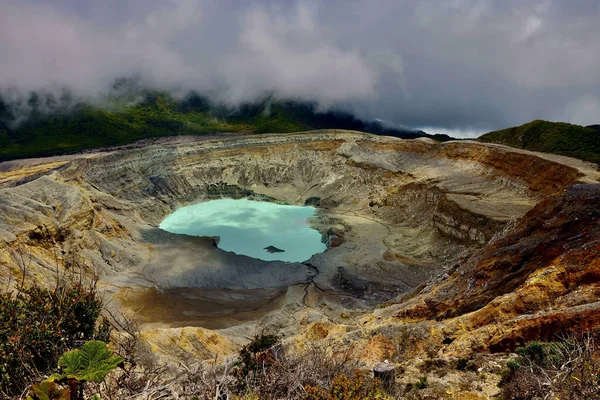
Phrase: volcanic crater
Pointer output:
(395, 215)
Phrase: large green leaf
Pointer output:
(91, 363)
(71, 360)
(48, 391)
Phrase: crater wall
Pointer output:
(394, 212)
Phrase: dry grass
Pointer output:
(568, 369)
(274, 373)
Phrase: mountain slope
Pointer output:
(57, 126)
(551, 137)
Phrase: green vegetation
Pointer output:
(463, 364)
(61, 332)
(264, 371)
(422, 383)
(344, 388)
(38, 324)
(88, 126)
(90, 364)
(252, 358)
(566, 369)
(59, 126)
(551, 137)
(48, 391)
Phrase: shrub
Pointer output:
(262, 370)
(566, 369)
(463, 364)
(534, 351)
(513, 365)
(276, 374)
(252, 357)
(421, 383)
(37, 325)
(344, 388)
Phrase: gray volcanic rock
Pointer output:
(273, 249)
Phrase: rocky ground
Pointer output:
(436, 250)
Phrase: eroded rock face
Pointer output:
(539, 280)
(395, 213)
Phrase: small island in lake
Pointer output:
(273, 249)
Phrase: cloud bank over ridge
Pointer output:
(460, 65)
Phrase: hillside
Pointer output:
(58, 126)
(551, 137)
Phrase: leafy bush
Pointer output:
(252, 357)
(513, 365)
(38, 324)
(90, 364)
(535, 352)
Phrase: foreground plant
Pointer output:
(48, 391)
(568, 369)
(253, 359)
(90, 364)
(344, 388)
(38, 324)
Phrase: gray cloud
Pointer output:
(465, 65)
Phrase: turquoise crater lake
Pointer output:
(248, 227)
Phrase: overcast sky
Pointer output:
(454, 65)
